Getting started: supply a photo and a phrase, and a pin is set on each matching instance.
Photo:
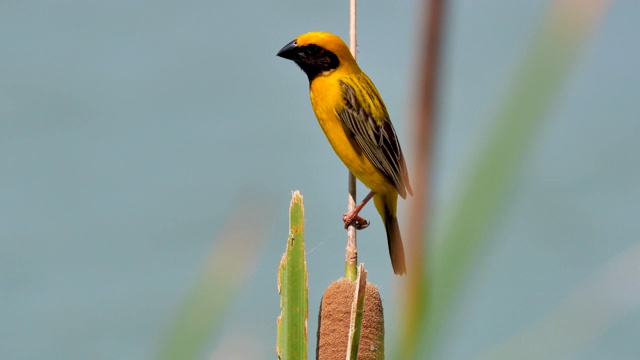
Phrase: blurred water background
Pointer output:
(128, 131)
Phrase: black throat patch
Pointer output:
(314, 60)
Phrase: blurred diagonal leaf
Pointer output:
(573, 325)
(231, 262)
(468, 222)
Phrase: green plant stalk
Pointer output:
(350, 271)
(351, 258)
(357, 309)
(293, 289)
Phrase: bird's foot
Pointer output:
(352, 218)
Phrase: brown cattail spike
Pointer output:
(333, 323)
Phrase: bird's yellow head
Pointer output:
(318, 53)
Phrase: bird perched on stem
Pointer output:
(356, 123)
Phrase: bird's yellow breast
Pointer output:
(327, 100)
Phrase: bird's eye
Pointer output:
(312, 51)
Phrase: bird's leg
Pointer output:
(352, 216)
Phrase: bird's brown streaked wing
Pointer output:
(376, 137)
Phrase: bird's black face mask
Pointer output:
(312, 59)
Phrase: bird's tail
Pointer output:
(386, 205)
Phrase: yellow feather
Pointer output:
(327, 99)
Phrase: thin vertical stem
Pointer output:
(352, 27)
(351, 272)
(423, 129)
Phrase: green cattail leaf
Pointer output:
(292, 286)
(357, 309)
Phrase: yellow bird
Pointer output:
(356, 123)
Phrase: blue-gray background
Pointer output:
(129, 129)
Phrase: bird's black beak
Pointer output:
(290, 51)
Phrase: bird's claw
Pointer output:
(354, 219)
